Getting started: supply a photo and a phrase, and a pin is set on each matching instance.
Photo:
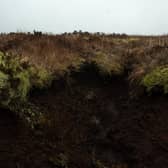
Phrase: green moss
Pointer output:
(157, 78)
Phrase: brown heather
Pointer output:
(113, 53)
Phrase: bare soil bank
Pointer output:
(91, 122)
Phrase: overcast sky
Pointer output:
(57, 16)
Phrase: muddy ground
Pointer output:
(90, 122)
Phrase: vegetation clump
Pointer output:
(16, 80)
(158, 78)
(40, 77)
(108, 64)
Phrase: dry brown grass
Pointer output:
(138, 54)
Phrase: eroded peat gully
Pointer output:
(89, 122)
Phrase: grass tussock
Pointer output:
(158, 78)
(17, 78)
(107, 64)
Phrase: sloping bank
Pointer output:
(90, 112)
(18, 77)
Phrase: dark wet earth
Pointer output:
(89, 125)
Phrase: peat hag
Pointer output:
(90, 120)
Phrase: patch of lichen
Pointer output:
(157, 78)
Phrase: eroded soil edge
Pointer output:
(90, 121)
